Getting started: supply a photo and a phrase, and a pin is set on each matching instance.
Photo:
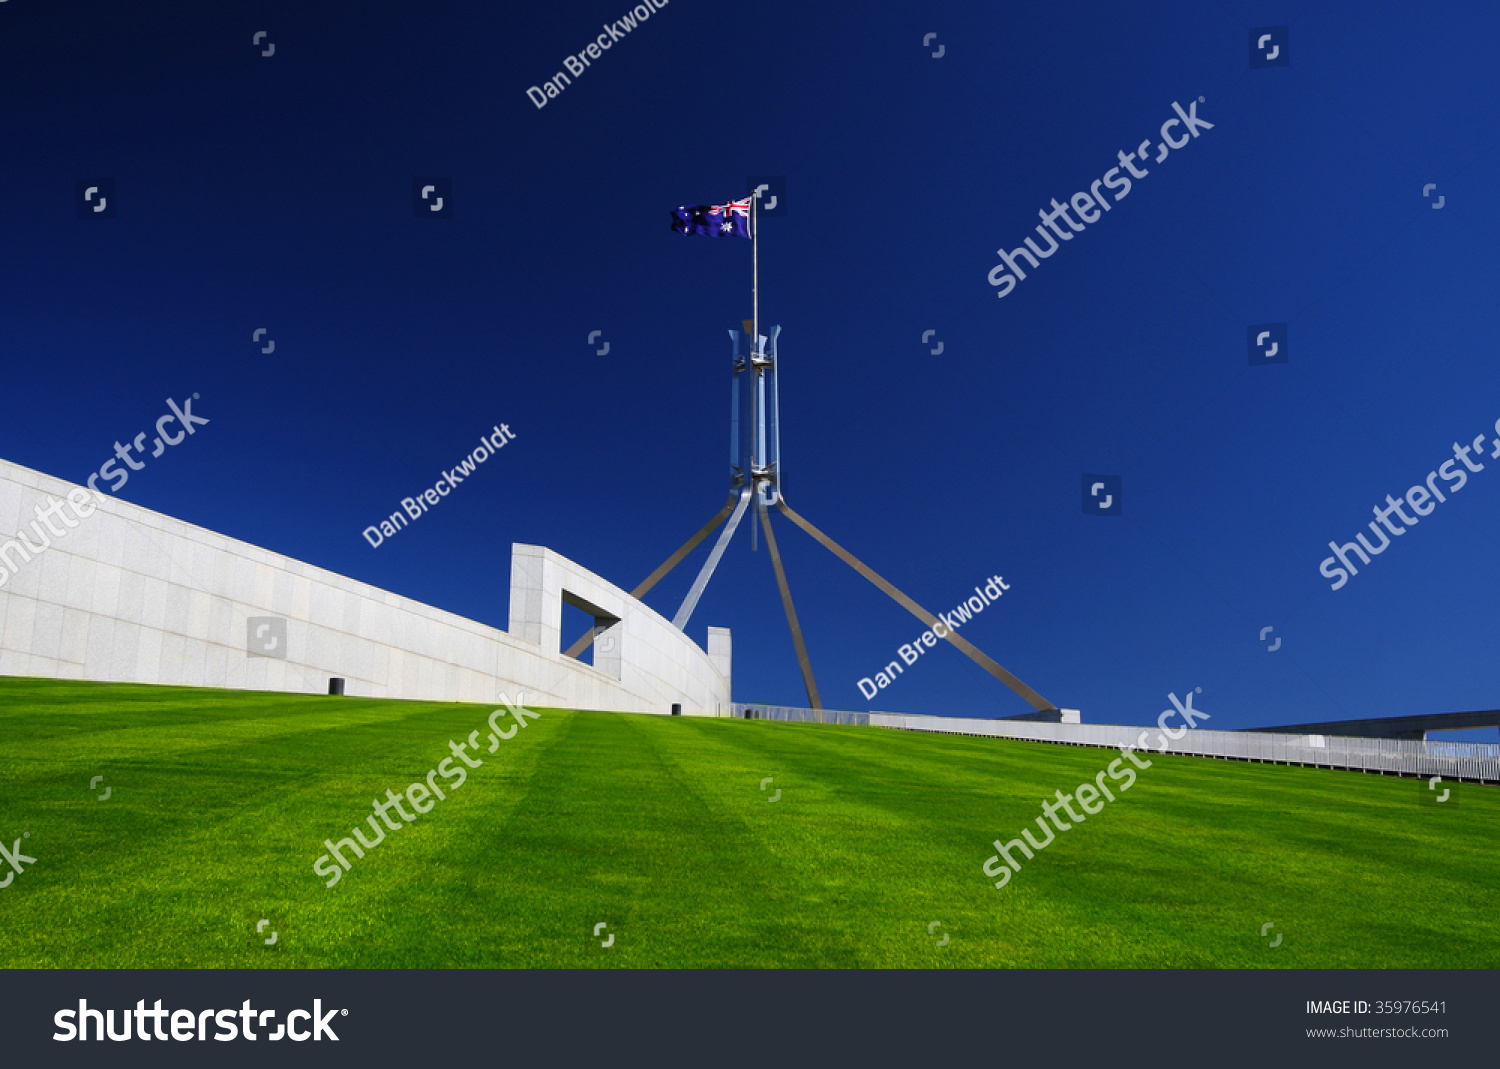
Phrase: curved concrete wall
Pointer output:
(125, 594)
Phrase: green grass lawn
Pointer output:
(220, 802)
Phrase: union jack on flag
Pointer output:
(730, 220)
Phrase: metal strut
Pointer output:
(1037, 702)
(690, 602)
(791, 613)
(656, 576)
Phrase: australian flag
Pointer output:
(730, 220)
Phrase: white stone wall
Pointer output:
(721, 650)
(131, 595)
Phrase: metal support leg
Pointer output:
(1037, 702)
(791, 613)
(656, 576)
(687, 547)
(690, 602)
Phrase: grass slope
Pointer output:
(220, 802)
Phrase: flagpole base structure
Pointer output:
(756, 469)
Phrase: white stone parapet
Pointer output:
(125, 594)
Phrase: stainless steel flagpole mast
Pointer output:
(754, 326)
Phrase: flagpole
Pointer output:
(754, 273)
(754, 382)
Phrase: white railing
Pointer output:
(1451, 760)
(759, 711)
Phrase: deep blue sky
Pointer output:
(276, 192)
